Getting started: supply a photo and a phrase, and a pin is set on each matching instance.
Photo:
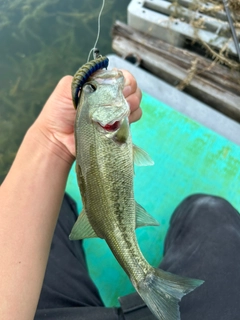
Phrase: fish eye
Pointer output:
(90, 88)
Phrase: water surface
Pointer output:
(41, 41)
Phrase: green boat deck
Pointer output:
(189, 158)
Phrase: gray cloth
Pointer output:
(203, 242)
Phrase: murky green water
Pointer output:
(41, 41)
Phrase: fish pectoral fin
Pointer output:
(141, 157)
(143, 218)
(123, 132)
(82, 228)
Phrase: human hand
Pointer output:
(56, 121)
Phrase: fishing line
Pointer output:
(99, 29)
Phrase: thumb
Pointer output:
(62, 92)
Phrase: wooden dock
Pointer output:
(185, 67)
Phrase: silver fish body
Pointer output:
(104, 166)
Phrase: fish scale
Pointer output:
(104, 165)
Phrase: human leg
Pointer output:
(203, 242)
(67, 288)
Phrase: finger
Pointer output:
(62, 98)
(134, 100)
(134, 104)
(135, 116)
(130, 84)
(62, 92)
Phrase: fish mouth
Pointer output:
(111, 127)
(109, 119)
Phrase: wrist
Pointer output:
(53, 147)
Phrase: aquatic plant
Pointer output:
(41, 41)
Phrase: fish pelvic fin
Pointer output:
(82, 228)
(161, 291)
(143, 218)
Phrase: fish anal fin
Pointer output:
(141, 157)
(82, 228)
(143, 218)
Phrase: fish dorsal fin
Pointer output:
(143, 218)
(123, 132)
(82, 228)
(141, 157)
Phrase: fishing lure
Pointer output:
(98, 62)
(84, 73)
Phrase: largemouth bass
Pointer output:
(104, 166)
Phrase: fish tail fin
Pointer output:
(162, 291)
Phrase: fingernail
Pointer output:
(127, 91)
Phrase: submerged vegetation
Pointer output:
(41, 41)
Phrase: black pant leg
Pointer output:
(68, 292)
(204, 242)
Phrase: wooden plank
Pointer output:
(175, 10)
(206, 7)
(206, 91)
(173, 30)
(216, 73)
